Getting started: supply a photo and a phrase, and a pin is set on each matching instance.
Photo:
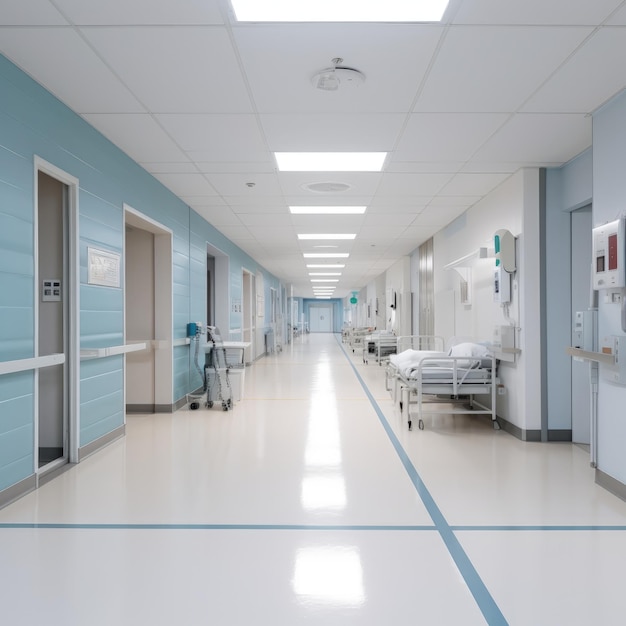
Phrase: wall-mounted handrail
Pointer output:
(100, 353)
(35, 363)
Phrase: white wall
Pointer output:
(515, 207)
(398, 279)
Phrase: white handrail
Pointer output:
(35, 363)
(99, 353)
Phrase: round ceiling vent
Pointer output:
(332, 78)
(327, 187)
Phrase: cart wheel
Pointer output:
(194, 405)
(224, 406)
(420, 424)
(209, 404)
(230, 403)
(410, 425)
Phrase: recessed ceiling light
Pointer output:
(339, 11)
(326, 266)
(330, 161)
(327, 210)
(324, 273)
(322, 297)
(324, 280)
(326, 255)
(328, 236)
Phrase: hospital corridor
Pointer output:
(312, 503)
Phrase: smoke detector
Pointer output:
(331, 78)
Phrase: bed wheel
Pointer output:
(194, 405)
(496, 426)
(420, 424)
(410, 425)
(210, 404)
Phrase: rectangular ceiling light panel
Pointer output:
(321, 236)
(330, 161)
(327, 210)
(326, 266)
(326, 255)
(339, 10)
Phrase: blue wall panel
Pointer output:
(34, 123)
(101, 397)
(16, 428)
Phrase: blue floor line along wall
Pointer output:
(485, 601)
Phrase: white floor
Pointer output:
(311, 503)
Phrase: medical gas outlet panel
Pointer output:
(609, 250)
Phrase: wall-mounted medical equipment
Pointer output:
(616, 372)
(608, 255)
(504, 343)
(504, 247)
(501, 286)
(585, 330)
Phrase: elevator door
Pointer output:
(52, 241)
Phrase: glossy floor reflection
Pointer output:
(311, 503)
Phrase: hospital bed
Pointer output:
(379, 345)
(407, 346)
(456, 378)
(357, 335)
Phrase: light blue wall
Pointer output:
(567, 188)
(34, 123)
(609, 203)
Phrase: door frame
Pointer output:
(71, 315)
(162, 346)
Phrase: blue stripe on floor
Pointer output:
(309, 527)
(477, 587)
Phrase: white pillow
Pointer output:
(475, 351)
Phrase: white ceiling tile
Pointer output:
(390, 219)
(399, 204)
(468, 75)
(181, 184)
(453, 202)
(117, 12)
(421, 167)
(218, 215)
(502, 167)
(417, 184)
(439, 217)
(253, 205)
(281, 59)
(619, 17)
(239, 167)
(473, 184)
(236, 233)
(445, 136)
(583, 83)
(31, 13)
(180, 167)
(66, 72)
(262, 219)
(264, 185)
(175, 69)
(200, 201)
(539, 139)
(346, 132)
(327, 223)
(217, 137)
(138, 135)
(536, 12)
(361, 184)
